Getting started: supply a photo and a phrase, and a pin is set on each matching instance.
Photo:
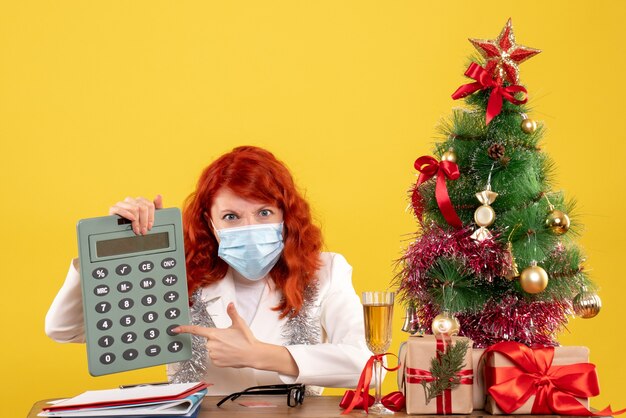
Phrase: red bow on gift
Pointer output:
(363, 388)
(555, 387)
(428, 167)
(485, 81)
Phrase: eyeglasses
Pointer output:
(295, 393)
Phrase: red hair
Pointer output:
(254, 174)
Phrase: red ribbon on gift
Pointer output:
(555, 387)
(393, 401)
(428, 167)
(363, 387)
(444, 400)
(485, 81)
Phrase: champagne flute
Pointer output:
(377, 315)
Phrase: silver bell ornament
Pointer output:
(411, 321)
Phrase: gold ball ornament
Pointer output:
(445, 323)
(533, 279)
(587, 304)
(529, 126)
(449, 155)
(558, 222)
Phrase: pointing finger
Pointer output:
(195, 330)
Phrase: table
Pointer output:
(313, 407)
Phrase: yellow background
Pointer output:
(104, 99)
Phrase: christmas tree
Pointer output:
(495, 258)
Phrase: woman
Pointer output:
(285, 314)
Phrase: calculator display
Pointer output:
(133, 244)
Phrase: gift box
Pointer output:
(416, 359)
(521, 380)
(478, 387)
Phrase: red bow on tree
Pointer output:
(428, 167)
(498, 91)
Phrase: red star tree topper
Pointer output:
(503, 55)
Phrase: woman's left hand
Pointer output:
(235, 346)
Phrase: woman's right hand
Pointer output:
(140, 211)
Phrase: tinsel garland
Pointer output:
(302, 328)
(194, 369)
(486, 259)
(510, 317)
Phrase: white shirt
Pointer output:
(248, 297)
(336, 360)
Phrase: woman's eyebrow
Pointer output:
(228, 211)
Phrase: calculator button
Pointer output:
(126, 303)
(151, 333)
(175, 346)
(103, 307)
(172, 313)
(100, 273)
(105, 341)
(148, 283)
(129, 337)
(104, 324)
(170, 328)
(107, 358)
(101, 290)
(148, 300)
(171, 297)
(123, 269)
(130, 354)
(127, 320)
(153, 350)
(150, 317)
(168, 263)
(170, 280)
(124, 287)
(146, 266)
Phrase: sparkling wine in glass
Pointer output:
(378, 315)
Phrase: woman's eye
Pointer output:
(229, 217)
(265, 212)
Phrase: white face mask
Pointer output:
(252, 250)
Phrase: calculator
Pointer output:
(134, 292)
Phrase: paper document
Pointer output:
(175, 399)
